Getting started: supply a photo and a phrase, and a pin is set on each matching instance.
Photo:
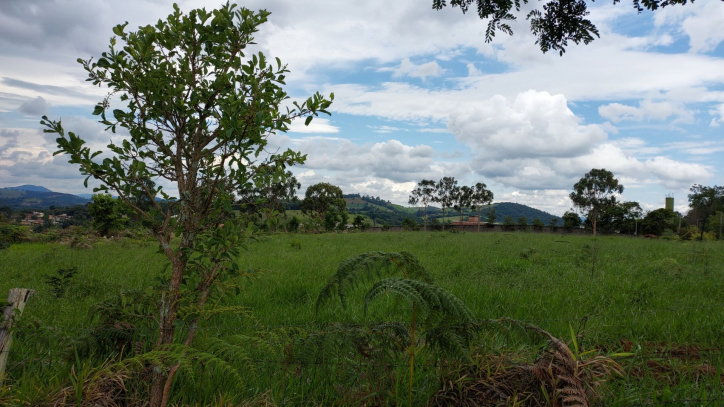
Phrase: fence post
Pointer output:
(17, 299)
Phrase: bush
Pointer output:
(410, 224)
(293, 224)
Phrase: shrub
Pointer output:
(60, 282)
(293, 224)
(410, 224)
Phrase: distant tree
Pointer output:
(331, 218)
(594, 193)
(107, 214)
(358, 221)
(273, 187)
(481, 196)
(508, 222)
(619, 217)
(320, 197)
(538, 224)
(705, 200)
(409, 224)
(491, 216)
(571, 220)
(423, 194)
(343, 219)
(5, 213)
(553, 223)
(293, 224)
(557, 23)
(658, 221)
(445, 191)
(523, 223)
(462, 199)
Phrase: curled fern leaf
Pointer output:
(369, 266)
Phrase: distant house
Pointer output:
(472, 220)
(33, 218)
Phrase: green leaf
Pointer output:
(309, 120)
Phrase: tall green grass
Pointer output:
(614, 292)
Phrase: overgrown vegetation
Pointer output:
(652, 305)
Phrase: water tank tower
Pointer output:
(670, 202)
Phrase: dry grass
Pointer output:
(556, 378)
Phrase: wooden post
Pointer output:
(17, 298)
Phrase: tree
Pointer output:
(571, 220)
(705, 200)
(620, 217)
(358, 221)
(658, 221)
(491, 217)
(594, 193)
(424, 194)
(444, 194)
(409, 224)
(272, 188)
(481, 195)
(523, 223)
(538, 224)
(198, 115)
(508, 223)
(107, 214)
(559, 22)
(319, 198)
(462, 198)
(553, 223)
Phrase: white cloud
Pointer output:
(34, 107)
(422, 71)
(718, 114)
(385, 129)
(701, 21)
(318, 125)
(647, 110)
(535, 124)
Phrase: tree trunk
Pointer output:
(595, 216)
(443, 218)
(169, 308)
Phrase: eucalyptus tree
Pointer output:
(481, 196)
(595, 192)
(423, 194)
(462, 198)
(706, 200)
(445, 191)
(559, 21)
(196, 113)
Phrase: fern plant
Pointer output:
(367, 267)
(447, 324)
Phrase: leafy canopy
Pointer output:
(559, 21)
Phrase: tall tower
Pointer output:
(670, 202)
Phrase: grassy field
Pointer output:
(661, 302)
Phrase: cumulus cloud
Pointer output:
(536, 142)
(647, 110)
(534, 124)
(34, 107)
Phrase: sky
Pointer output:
(419, 94)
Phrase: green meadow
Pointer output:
(655, 306)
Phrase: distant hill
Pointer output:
(35, 197)
(33, 188)
(387, 212)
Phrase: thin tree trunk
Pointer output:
(443, 218)
(167, 329)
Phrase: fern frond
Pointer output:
(369, 266)
(428, 299)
